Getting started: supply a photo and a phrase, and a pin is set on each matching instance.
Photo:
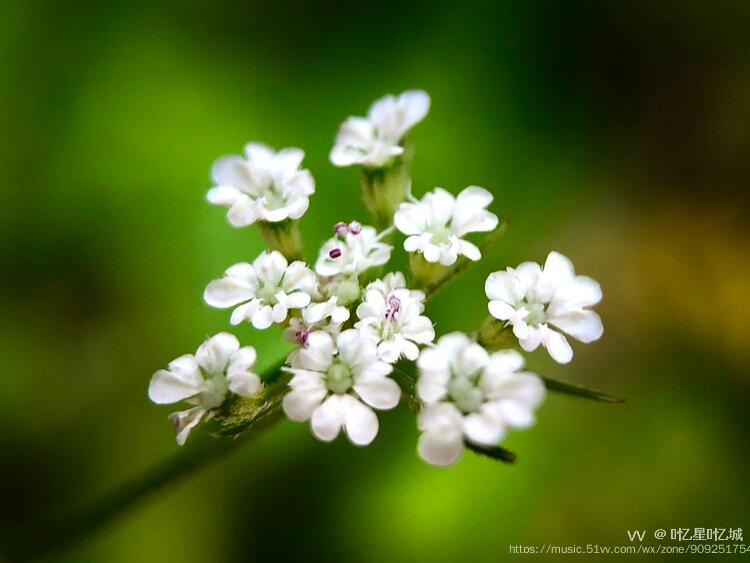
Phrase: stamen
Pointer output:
(341, 228)
(302, 335)
(355, 227)
(335, 253)
(395, 307)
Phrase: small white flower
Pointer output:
(336, 384)
(531, 298)
(264, 291)
(472, 395)
(327, 316)
(435, 225)
(268, 186)
(375, 140)
(352, 252)
(391, 316)
(218, 367)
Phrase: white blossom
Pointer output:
(219, 366)
(351, 253)
(326, 316)
(267, 186)
(374, 140)
(391, 315)
(264, 290)
(436, 225)
(533, 300)
(471, 395)
(335, 385)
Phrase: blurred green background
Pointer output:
(614, 132)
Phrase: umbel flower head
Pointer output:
(533, 300)
(435, 225)
(218, 367)
(264, 290)
(352, 251)
(335, 385)
(267, 186)
(391, 315)
(375, 140)
(470, 394)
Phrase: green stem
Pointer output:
(383, 189)
(450, 273)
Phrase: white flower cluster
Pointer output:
(349, 324)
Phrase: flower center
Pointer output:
(441, 234)
(273, 200)
(268, 293)
(536, 314)
(465, 392)
(339, 377)
(214, 390)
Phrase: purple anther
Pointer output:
(335, 253)
(302, 336)
(394, 307)
(355, 227)
(340, 228)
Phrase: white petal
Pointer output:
(481, 428)
(227, 292)
(263, 317)
(379, 392)
(558, 347)
(500, 310)
(243, 212)
(360, 421)
(270, 266)
(504, 361)
(389, 351)
(410, 218)
(299, 404)
(242, 359)
(558, 267)
(440, 448)
(223, 195)
(327, 419)
(185, 421)
(244, 383)
(581, 324)
(169, 387)
(213, 355)
(581, 291)
(243, 312)
(414, 104)
(278, 313)
(471, 251)
(231, 170)
(432, 386)
(470, 359)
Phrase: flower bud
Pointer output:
(347, 291)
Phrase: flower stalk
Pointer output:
(283, 236)
(384, 188)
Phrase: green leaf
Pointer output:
(579, 391)
(497, 453)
